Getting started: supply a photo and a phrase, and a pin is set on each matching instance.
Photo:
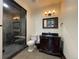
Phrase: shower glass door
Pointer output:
(14, 29)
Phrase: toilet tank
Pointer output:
(34, 38)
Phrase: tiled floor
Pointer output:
(34, 55)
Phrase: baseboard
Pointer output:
(63, 56)
(50, 53)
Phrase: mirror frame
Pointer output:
(50, 22)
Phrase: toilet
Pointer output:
(31, 43)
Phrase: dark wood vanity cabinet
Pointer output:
(50, 44)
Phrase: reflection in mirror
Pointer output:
(45, 23)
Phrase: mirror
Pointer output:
(50, 22)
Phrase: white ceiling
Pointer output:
(35, 4)
(41, 3)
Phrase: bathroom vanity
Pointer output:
(50, 43)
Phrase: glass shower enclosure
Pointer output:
(14, 28)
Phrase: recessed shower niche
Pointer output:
(14, 28)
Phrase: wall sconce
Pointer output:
(49, 13)
(54, 12)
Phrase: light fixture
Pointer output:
(45, 13)
(53, 11)
(5, 5)
(50, 13)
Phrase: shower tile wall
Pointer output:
(7, 27)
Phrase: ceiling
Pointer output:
(35, 4)
(41, 3)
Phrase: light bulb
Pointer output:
(45, 13)
(53, 11)
(49, 12)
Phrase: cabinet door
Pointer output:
(43, 43)
(55, 45)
